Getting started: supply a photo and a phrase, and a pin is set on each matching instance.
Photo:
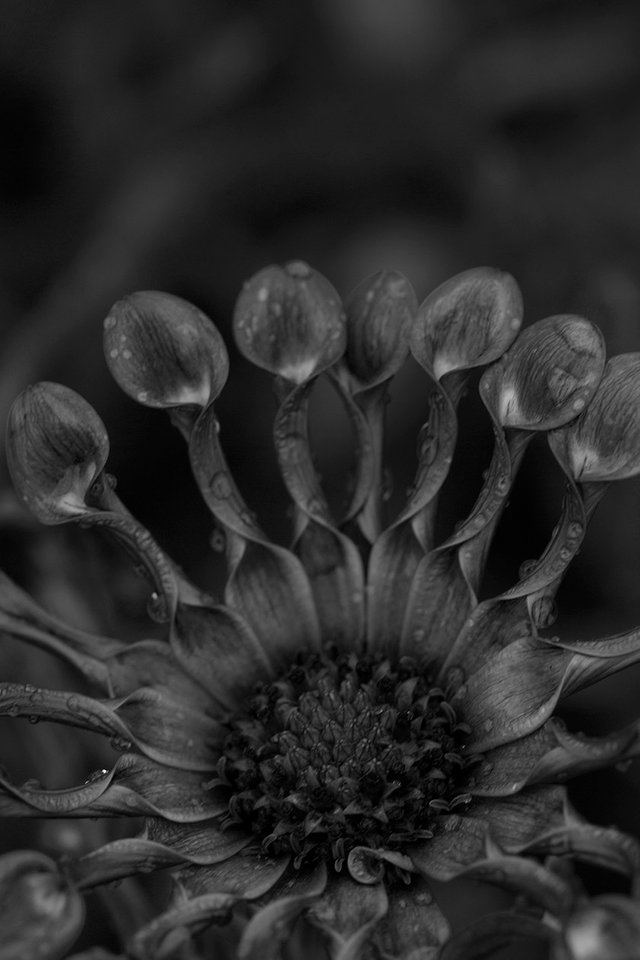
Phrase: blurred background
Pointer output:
(184, 145)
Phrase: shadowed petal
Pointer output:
(482, 939)
(271, 926)
(347, 913)
(40, 914)
(173, 929)
(247, 875)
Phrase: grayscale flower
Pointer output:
(351, 721)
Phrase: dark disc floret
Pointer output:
(343, 751)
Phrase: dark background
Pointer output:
(184, 144)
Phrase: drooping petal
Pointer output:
(347, 913)
(379, 313)
(41, 915)
(289, 321)
(270, 927)
(173, 929)
(164, 352)
(548, 376)
(136, 786)
(605, 928)
(468, 321)
(57, 446)
(603, 444)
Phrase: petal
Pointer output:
(135, 786)
(460, 842)
(414, 927)
(166, 729)
(289, 321)
(40, 914)
(548, 376)
(202, 843)
(379, 312)
(468, 321)
(270, 927)
(173, 929)
(606, 928)
(331, 560)
(164, 352)
(218, 649)
(348, 913)
(394, 559)
(604, 442)
(247, 875)
(56, 447)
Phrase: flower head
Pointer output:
(349, 721)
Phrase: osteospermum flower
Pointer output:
(350, 722)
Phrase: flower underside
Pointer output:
(343, 752)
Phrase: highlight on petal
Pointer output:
(467, 321)
(379, 312)
(40, 914)
(57, 446)
(548, 376)
(163, 351)
(604, 442)
(289, 321)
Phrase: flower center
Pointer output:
(342, 752)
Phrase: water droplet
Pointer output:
(527, 568)
(565, 554)
(488, 725)
(127, 354)
(121, 744)
(110, 322)
(114, 353)
(157, 608)
(575, 529)
(142, 396)
(262, 294)
(579, 404)
(220, 485)
(73, 704)
(33, 718)
(13, 710)
(218, 540)
(96, 775)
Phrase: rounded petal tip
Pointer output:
(548, 376)
(163, 351)
(380, 312)
(603, 443)
(57, 445)
(468, 321)
(289, 321)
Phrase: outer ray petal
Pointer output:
(347, 913)
(519, 687)
(551, 753)
(270, 927)
(162, 727)
(203, 843)
(164, 935)
(134, 787)
(247, 875)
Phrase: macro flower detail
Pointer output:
(350, 720)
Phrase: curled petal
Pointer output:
(40, 913)
(57, 446)
(414, 927)
(271, 926)
(163, 351)
(548, 376)
(289, 321)
(164, 935)
(604, 442)
(468, 321)
(134, 787)
(379, 314)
